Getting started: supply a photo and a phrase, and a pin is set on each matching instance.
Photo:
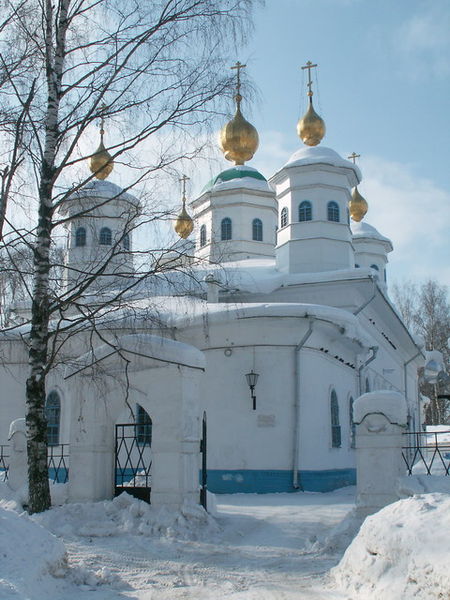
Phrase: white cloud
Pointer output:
(423, 41)
(412, 211)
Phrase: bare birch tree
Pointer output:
(154, 70)
(425, 310)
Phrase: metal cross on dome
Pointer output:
(353, 156)
(184, 179)
(238, 66)
(309, 65)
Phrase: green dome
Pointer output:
(237, 172)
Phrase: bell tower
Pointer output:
(313, 192)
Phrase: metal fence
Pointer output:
(4, 462)
(427, 453)
(57, 461)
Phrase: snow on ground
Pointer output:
(402, 551)
(253, 547)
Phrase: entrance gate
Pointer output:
(132, 462)
(203, 451)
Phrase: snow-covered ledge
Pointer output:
(380, 419)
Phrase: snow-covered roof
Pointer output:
(104, 190)
(363, 230)
(239, 176)
(144, 346)
(309, 155)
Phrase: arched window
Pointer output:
(105, 236)
(305, 211)
(374, 267)
(367, 385)
(284, 217)
(52, 414)
(143, 427)
(202, 236)
(335, 425)
(225, 228)
(126, 241)
(333, 211)
(80, 237)
(257, 230)
(351, 422)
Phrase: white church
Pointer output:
(262, 335)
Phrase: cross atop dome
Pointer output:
(101, 163)
(311, 127)
(238, 139)
(357, 206)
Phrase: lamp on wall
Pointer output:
(252, 378)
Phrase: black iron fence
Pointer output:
(57, 461)
(427, 453)
(133, 462)
(4, 462)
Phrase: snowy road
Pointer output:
(265, 547)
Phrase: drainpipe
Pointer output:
(363, 306)
(295, 462)
(364, 365)
(405, 383)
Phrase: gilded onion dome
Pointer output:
(238, 139)
(184, 224)
(357, 206)
(101, 162)
(311, 127)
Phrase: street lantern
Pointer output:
(252, 379)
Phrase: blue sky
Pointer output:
(384, 92)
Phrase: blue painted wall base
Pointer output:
(265, 482)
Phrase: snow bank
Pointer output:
(400, 552)
(29, 554)
(127, 515)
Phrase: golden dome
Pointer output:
(184, 224)
(101, 162)
(357, 205)
(311, 127)
(238, 139)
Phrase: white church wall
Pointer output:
(253, 450)
(169, 394)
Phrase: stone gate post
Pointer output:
(380, 419)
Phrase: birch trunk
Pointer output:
(39, 491)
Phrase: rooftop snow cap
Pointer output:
(361, 230)
(309, 155)
(238, 176)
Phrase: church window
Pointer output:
(351, 423)
(202, 236)
(105, 236)
(257, 230)
(52, 414)
(333, 212)
(143, 427)
(126, 241)
(374, 267)
(80, 237)
(305, 211)
(226, 229)
(335, 425)
(284, 217)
